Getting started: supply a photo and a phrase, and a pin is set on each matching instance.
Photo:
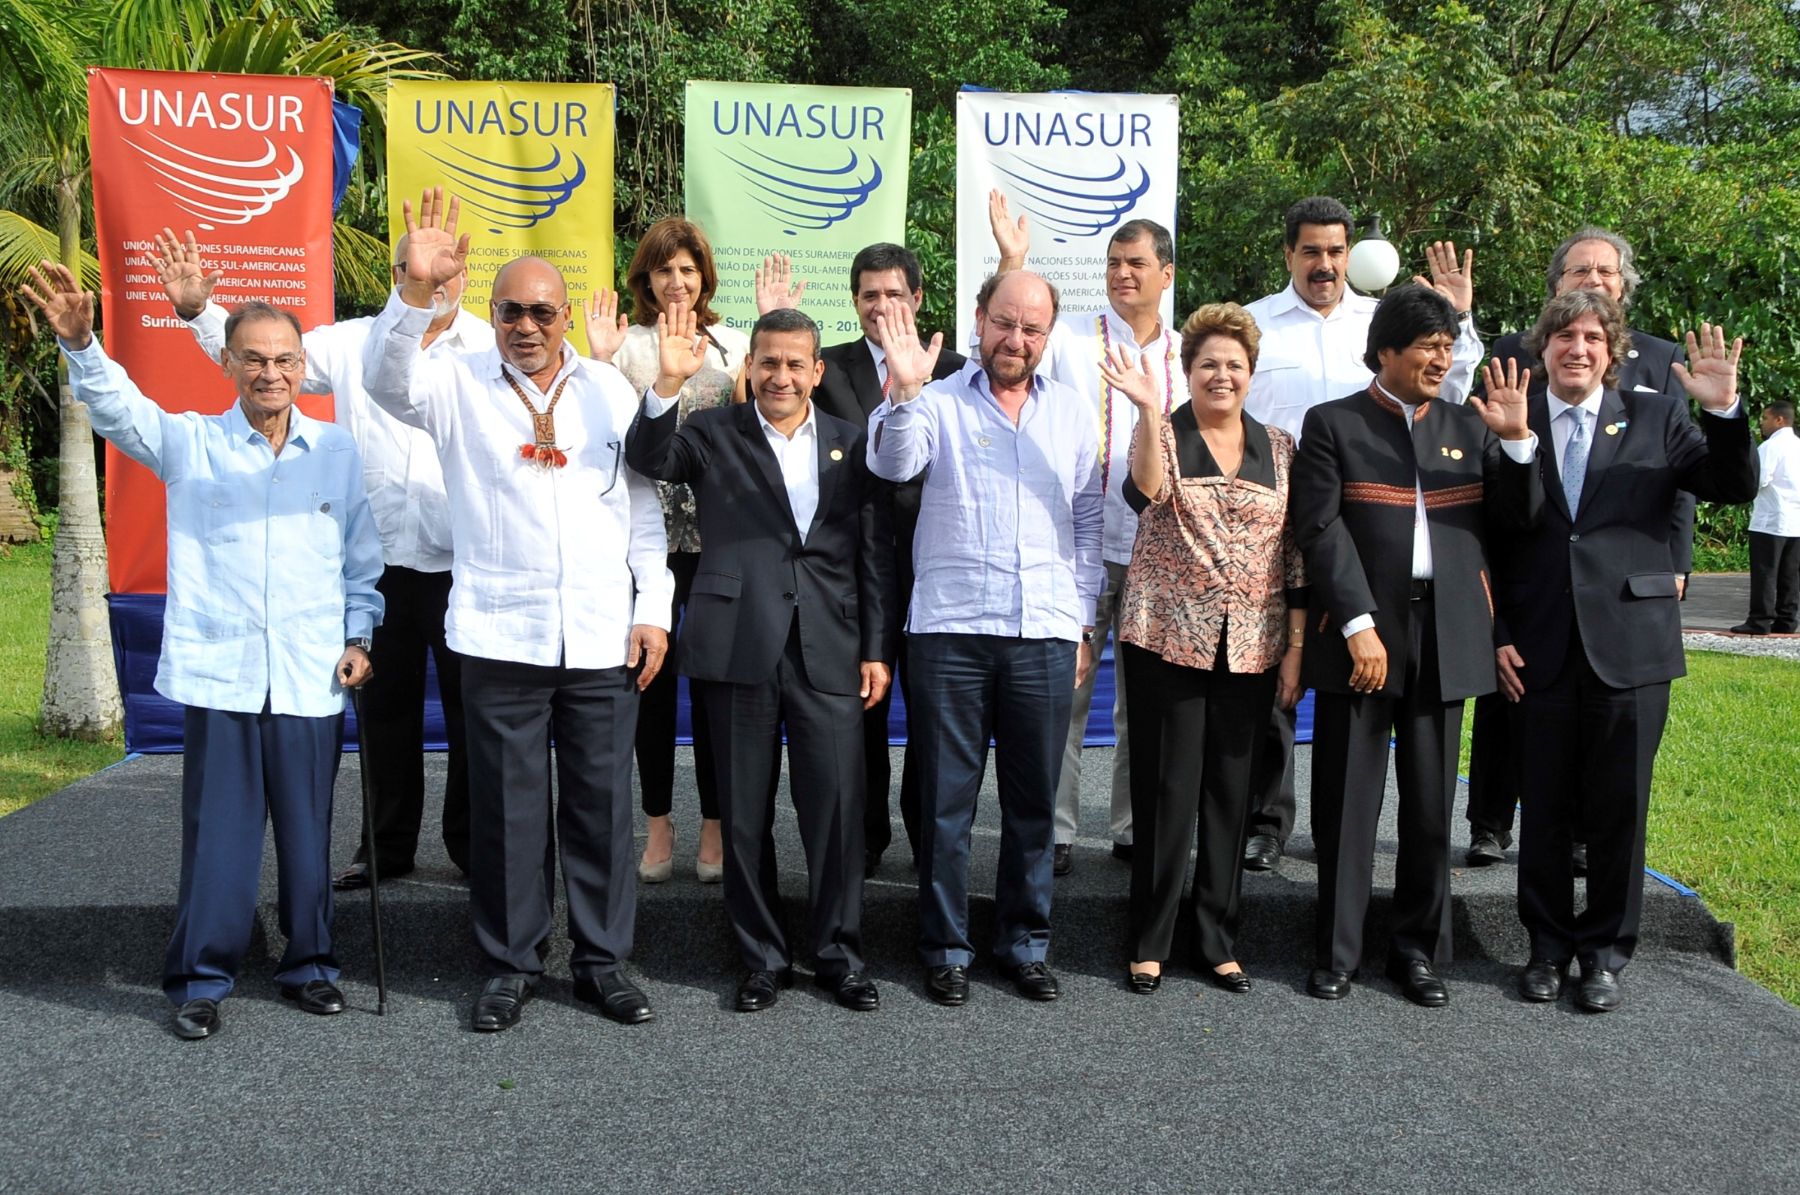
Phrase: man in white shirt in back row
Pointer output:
(1775, 528)
(1315, 333)
(560, 609)
(412, 513)
(1140, 269)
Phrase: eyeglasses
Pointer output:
(1006, 327)
(256, 362)
(509, 312)
(1604, 273)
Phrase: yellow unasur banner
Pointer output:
(532, 164)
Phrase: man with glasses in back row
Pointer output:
(412, 513)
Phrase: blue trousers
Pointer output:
(236, 769)
(971, 688)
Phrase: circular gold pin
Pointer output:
(837, 454)
(1612, 429)
(1456, 454)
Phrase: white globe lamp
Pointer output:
(1373, 260)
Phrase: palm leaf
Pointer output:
(359, 264)
(24, 243)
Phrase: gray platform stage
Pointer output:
(1692, 1086)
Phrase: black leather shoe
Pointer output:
(1261, 852)
(1418, 982)
(853, 990)
(947, 985)
(1578, 858)
(1487, 847)
(356, 876)
(197, 1019)
(1541, 981)
(619, 999)
(1122, 851)
(500, 1003)
(1062, 859)
(316, 996)
(1749, 628)
(1329, 985)
(758, 990)
(1236, 982)
(1143, 982)
(871, 864)
(1599, 990)
(1033, 980)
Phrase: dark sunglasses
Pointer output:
(509, 312)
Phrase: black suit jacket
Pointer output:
(1650, 365)
(1606, 573)
(754, 571)
(851, 390)
(1352, 501)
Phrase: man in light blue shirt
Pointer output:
(273, 560)
(1007, 571)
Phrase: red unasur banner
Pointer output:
(245, 162)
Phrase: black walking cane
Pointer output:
(362, 737)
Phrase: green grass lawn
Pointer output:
(31, 765)
(1724, 819)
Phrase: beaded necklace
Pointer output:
(1106, 395)
(543, 450)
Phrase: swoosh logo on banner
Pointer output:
(1077, 205)
(513, 196)
(809, 197)
(223, 190)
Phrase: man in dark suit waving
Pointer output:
(883, 278)
(789, 624)
(1589, 635)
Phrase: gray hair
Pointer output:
(1627, 271)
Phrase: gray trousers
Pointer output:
(1068, 789)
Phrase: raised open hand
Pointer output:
(1134, 379)
(1504, 411)
(602, 324)
(185, 278)
(68, 309)
(680, 349)
(909, 362)
(1013, 239)
(775, 288)
(1710, 376)
(1455, 282)
(434, 253)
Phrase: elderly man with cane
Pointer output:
(273, 560)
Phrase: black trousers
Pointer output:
(1774, 582)
(513, 710)
(825, 779)
(393, 742)
(1195, 737)
(1272, 806)
(878, 826)
(656, 718)
(1494, 751)
(1593, 748)
(1350, 750)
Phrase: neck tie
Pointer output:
(1575, 456)
(887, 380)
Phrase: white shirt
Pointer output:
(1077, 344)
(273, 559)
(547, 559)
(400, 463)
(798, 456)
(881, 371)
(1777, 508)
(1306, 359)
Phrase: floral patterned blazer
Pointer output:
(1214, 555)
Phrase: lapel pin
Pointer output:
(1443, 452)
(1456, 454)
(1612, 429)
(837, 454)
(1631, 352)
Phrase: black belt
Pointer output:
(1421, 590)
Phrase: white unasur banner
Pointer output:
(1079, 164)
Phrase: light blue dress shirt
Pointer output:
(272, 560)
(1010, 521)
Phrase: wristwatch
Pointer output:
(364, 642)
(1087, 636)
